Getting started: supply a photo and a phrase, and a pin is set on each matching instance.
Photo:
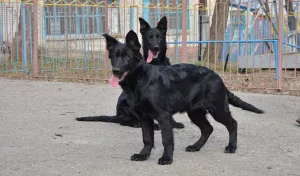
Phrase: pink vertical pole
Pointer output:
(124, 29)
(184, 32)
(1, 33)
(280, 37)
(35, 39)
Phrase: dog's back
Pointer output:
(183, 85)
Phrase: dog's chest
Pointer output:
(142, 107)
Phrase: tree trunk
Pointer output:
(291, 18)
(201, 13)
(28, 30)
(213, 51)
(17, 45)
(16, 50)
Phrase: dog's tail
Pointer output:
(112, 119)
(237, 102)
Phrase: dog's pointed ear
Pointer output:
(163, 24)
(144, 26)
(133, 40)
(110, 41)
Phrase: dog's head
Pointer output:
(154, 39)
(123, 56)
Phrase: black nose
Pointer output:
(116, 71)
(156, 48)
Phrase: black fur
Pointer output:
(158, 92)
(153, 39)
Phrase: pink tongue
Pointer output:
(114, 81)
(150, 56)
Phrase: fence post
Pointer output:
(2, 14)
(35, 39)
(184, 32)
(131, 15)
(85, 13)
(146, 9)
(280, 36)
(276, 58)
(106, 31)
(23, 11)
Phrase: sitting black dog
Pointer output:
(158, 92)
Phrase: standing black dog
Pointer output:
(155, 48)
(158, 92)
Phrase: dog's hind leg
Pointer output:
(148, 140)
(136, 124)
(176, 124)
(198, 117)
(226, 119)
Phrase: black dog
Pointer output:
(154, 43)
(158, 92)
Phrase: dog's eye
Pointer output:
(157, 36)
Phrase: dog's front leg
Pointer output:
(148, 139)
(167, 139)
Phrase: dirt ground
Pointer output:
(39, 136)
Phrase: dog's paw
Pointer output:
(178, 125)
(230, 149)
(192, 148)
(139, 157)
(156, 127)
(165, 160)
(136, 125)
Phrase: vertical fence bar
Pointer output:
(106, 31)
(84, 22)
(276, 58)
(16, 43)
(132, 16)
(7, 38)
(124, 18)
(1, 33)
(23, 10)
(98, 18)
(35, 39)
(184, 32)
(280, 37)
(146, 9)
(28, 33)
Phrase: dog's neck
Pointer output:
(134, 78)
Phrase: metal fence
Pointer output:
(257, 41)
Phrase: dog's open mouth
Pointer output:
(115, 79)
(152, 55)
